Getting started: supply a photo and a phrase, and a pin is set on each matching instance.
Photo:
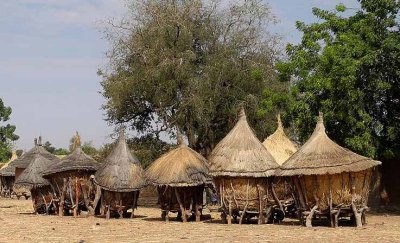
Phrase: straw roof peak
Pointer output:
(121, 170)
(280, 127)
(78, 160)
(240, 153)
(321, 155)
(179, 167)
(179, 138)
(279, 145)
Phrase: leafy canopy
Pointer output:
(7, 130)
(189, 65)
(347, 66)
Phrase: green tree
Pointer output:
(189, 65)
(347, 67)
(7, 130)
(61, 151)
(48, 146)
(89, 149)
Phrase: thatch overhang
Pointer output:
(241, 154)
(32, 176)
(320, 155)
(180, 167)
(121, 171)
(23, 161)
(4, 171)
(76, 161)
(279, 145)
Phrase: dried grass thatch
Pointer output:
(76, 161)
(23, 161)
(241, 154)
(32, 176)
(279, 145)
(320, 155)
(179, 167)
(121, 170)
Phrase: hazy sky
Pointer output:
(50, 51)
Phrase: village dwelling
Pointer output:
(70, 180)
(120, 178)
(7, 177)
(243, 170)
(23, 162)
(180, 176)
(329, 180)
(281, 148)
(40, 189)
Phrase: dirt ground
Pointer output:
(18, 224)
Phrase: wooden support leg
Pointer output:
(310, 216)
(198, 214)
(86, 200)
(108, 212)
(229, 212)
(134, 203)
(261, 219)
(181, 206)
(357, 215)
(62, 199)
(77, 189)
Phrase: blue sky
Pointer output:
(50, 51)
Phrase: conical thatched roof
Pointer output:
(121, 170)
(320, 155)
(179, 167)
(76, 161)
(26, 158)
(279, 145)
(240, 153)
(32, 176)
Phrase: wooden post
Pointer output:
(86, 200)
(181, 206)
(276, 199)
(77, 188)
(62, 199)
(230, 212)
(247, 203)
(261, 219)
(134, 203)
(310, 216)
(357, 214)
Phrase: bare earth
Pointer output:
(18, 224)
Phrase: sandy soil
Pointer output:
(18, 224)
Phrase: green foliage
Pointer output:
(61, 151)
(89, 149)
(189, 65)
(7, 135)
(348, 68)
(47, 145)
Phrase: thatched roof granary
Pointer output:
(7, 182)
(279, 145)
(180, 176)
(329, 179)
(120, 177)
(40, 189)
(240, 166)
(70, 179)
(281, 148)
(16, 167)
